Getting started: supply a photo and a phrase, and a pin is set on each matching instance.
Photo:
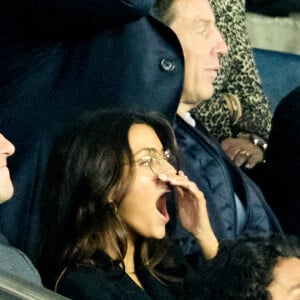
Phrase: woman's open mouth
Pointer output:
(161, 206)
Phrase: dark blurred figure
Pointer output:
(273, 7)
(60, 58)
(251, 268)
(279, 178)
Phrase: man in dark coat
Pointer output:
(61, 58)
(235, 204)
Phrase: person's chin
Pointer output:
(6, 194)
(207, 93)
(159, 234)
(202, 93)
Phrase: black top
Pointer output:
(107, 280)
(95, 283)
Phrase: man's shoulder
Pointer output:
(17, 263)
(3, 239)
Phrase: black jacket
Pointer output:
(61, 58)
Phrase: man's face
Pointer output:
(286, 283)
(6, 187)
(202, 43)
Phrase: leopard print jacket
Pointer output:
(238, 76)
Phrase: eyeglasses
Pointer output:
(155, 160)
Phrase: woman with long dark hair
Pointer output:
(105, 210)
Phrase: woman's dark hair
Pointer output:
(243, 268)
(85, 166)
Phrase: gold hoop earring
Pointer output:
(113, 206)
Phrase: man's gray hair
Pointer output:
(164, 11)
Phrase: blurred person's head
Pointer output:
(193, 22)
(6, 186)
(252, 267)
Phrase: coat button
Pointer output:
(167, 65)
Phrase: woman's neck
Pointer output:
(129, 262)
(129, 257)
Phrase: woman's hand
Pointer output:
(192, 212)
(242, 151)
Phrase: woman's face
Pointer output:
(144, 207)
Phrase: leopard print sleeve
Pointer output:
(238, 76)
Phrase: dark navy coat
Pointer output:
(61, 58)
(205, 163)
